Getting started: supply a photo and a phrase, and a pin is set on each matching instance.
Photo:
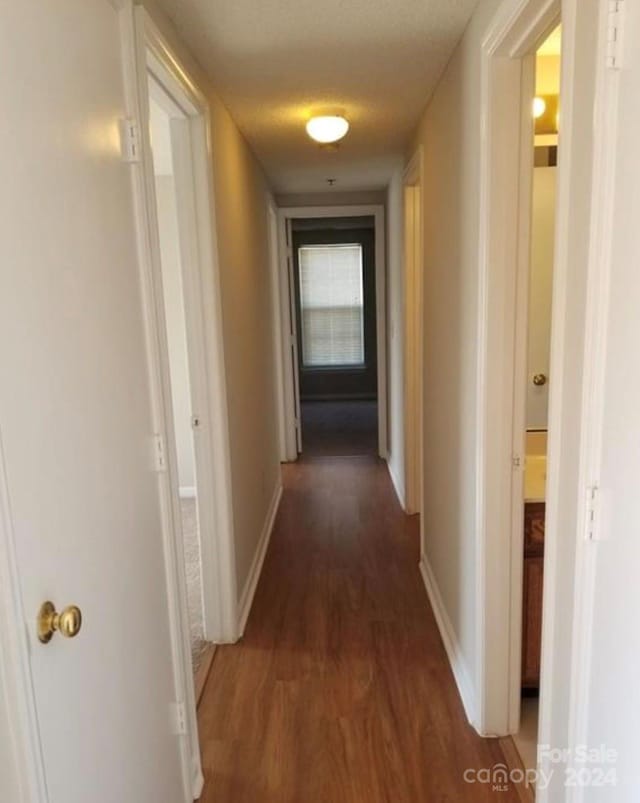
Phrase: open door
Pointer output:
(293, 352)
(81, 505)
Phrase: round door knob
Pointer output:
(68, 622)
(539, 380)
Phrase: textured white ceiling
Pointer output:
(274, 62)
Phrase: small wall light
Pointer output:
(328, 128)
(539, 107)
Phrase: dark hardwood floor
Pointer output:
(347, 428)
(340, 690)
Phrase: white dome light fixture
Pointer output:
(539, 107)
(328, 128)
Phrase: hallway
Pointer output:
(340, 690)
(271, 274)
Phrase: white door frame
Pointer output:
(289, 362)
(413, 268)
(598, 289)
(203, 312)
(143, 179)
(276, 305)
(203, 309)
(505, 221)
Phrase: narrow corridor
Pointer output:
(340, 690)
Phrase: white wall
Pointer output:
(565, 497)
(243, 242)
(449, 132)
(542, 255)
(547, 75)
(176, 329)
(540, 292)
(395, 332)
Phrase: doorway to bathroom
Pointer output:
(533, 396)
(514, 411)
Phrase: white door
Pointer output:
(543, 223)
(613, 636)
(75, 414)
(297, 410)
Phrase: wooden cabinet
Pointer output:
(534, 518)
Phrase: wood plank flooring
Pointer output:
(340, 690)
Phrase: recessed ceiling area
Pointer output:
(275, 62)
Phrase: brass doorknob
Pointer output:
(539, 380)
(67, 623)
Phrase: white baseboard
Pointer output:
(197, 779)
(398, 487)
(187, 492)
(450, 640)
(246, 600)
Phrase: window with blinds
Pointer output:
(331, 303)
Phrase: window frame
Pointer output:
(340, 366)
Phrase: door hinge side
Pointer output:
(179, 717)
(592, 520)
(615, 34)
(516, 461)
(130, 146)
(159, 453)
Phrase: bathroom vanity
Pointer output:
(534, 526)
(534, 514)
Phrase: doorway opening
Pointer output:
(171, 225)
(505, 371)
(333, 324)
(535, 388)
(186, 336)
(173, 179)
(334, 280)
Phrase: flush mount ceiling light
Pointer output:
(539, 107)
(328, 128)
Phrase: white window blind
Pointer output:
(331, 302)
